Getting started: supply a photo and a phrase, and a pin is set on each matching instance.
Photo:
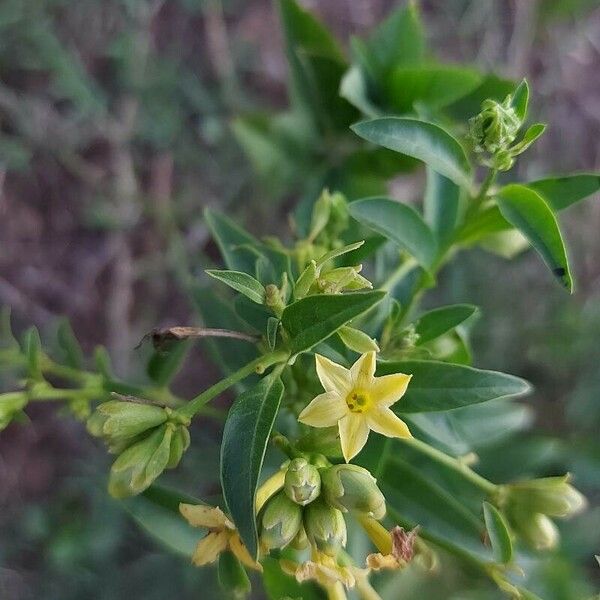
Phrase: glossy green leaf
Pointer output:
(313, 319)
(444, 386)
(156, 510)
(562, 192)
(526, 210)
(441, 205)
(520, 99)
(241, 282)
(421, 140)
(245, 438)
(32, 347)
(433, 86)
(400, 223)
(531, 135)
(438, 321)
(498, 533)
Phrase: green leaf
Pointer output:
(156, 511)
(444, 386)
(272, 325)
(313, 319)
(68, 343)
(400, 223)
(357, 340)
(32, 347)
(441, 204)
(530, 214)
(245, 438)
(241, 282)
(531, 135)
(561, 192)
(434, 86)
(230, 238)
(498, 533)
(233, 577)
(520, 100)
(422, 140)
(435, 323)
(163, 365)
(399, 40)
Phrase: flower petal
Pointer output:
(209, 548)
(200, 515)
(363, 370)
(390, 388)
(354, 432)
(384, 421)
(324, 411)
(333, 377)
(242, 554)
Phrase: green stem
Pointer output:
(452, 463)
(403, 269)
(484, 189)
(258, 365)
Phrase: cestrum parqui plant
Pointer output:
(325, 342)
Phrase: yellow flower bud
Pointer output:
(352, 488)
(302, 482)
(280, 523)
(325, 527)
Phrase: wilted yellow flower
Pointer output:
(222, 536)
(322, 568)
(357, 401)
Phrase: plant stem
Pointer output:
(484, 189)
(403, 269)
(452, 463)
(258, 365)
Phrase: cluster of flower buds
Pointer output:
(309, 503)
(147, 438)
(495, 129)
(529, 506)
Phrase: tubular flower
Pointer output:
(222, 536)
(356, 401)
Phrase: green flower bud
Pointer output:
(11, 404)
(536, 529)
(351, 488)
(320, 214)
(495, 127)
(306, 279)
(553, 496)
(142, 462)
(357, 340)
(179, 444)
(117, 421)
(337, 280)
(300, 542)
(302, 482)
(280, 523)
(325, 527)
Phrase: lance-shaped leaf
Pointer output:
(241, 282)
(400, 223)
(245, 438)
(313, 319)
(526, 210)
(520, 99)
(498, 533)
(156, 510)
(561, 192)
(439, 386)
(438, 321)
(441, 205)
(422, 140)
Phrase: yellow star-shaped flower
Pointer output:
(222, 535)
(356, 401)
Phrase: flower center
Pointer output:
(358, 401)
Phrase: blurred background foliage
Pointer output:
(121, 120)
